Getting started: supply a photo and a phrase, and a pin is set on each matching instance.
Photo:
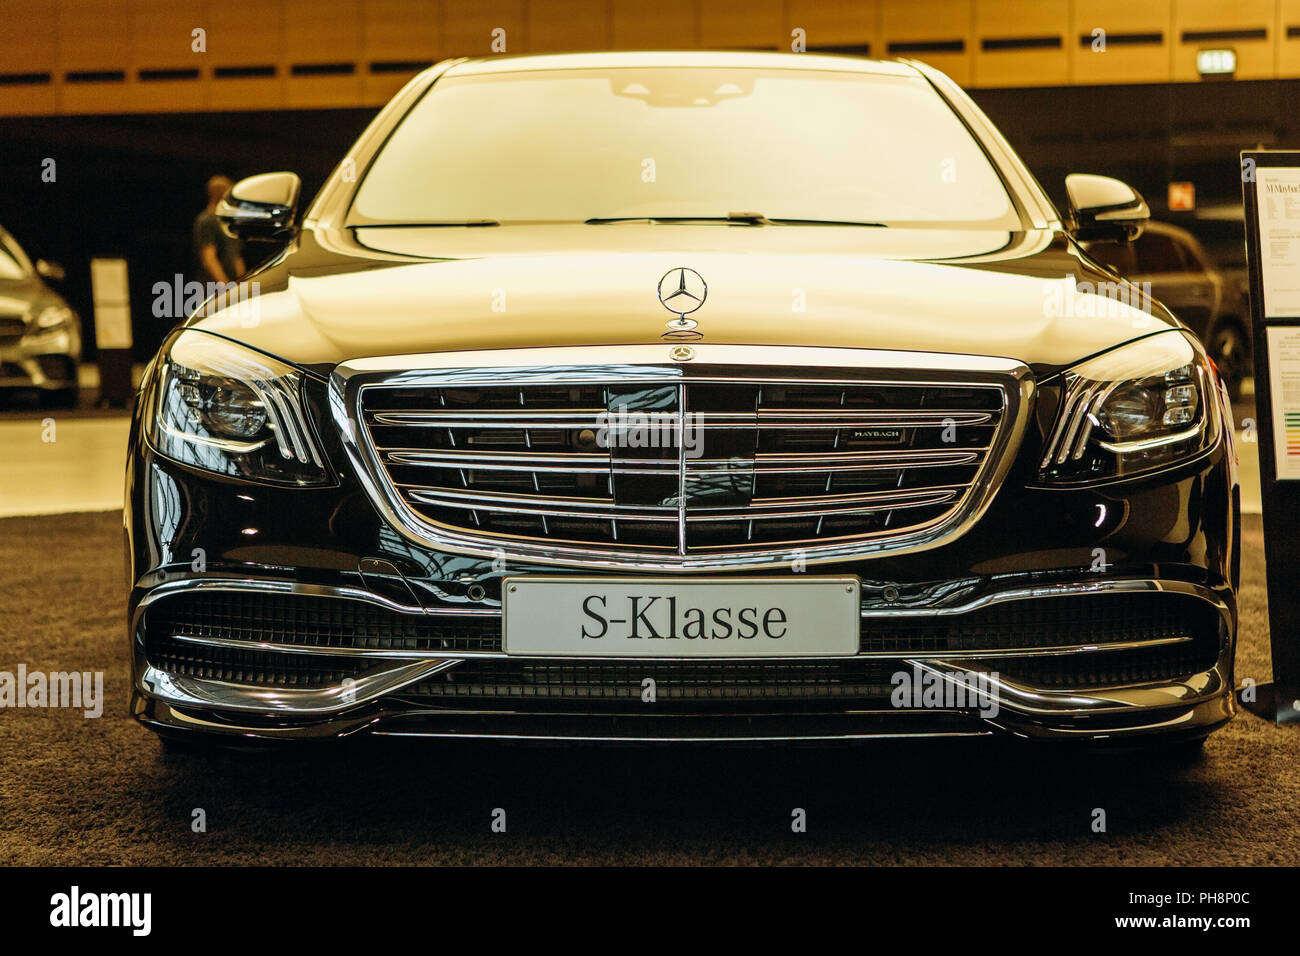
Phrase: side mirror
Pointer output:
(50, 270)
(1104, 208)
(261, 208)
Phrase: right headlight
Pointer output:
(231, 410)
(1139, 407)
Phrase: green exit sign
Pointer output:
(1216, 62)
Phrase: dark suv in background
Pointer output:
(1209, 301)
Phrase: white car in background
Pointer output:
(40, 335)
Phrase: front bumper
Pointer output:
(385, 696)
(46, 361)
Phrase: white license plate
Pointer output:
(548, 616)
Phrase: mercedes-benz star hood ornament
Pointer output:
(682, 291)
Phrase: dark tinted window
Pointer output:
(1117, 255)
(1158, 253)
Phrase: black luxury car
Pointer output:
(682, 396)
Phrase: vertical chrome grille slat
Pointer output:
(681, 470)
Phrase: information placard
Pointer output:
(111, 291)
(1284, 391)
(108, 283)
(1270, 187)
(1278, 196)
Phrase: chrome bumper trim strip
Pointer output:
(362, 653)
(1061, 589)
(220, 695)
(1013, 699)
(613, 739)
(296, 587)
(1028, 701)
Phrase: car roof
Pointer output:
(662, 58)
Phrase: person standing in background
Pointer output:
(218, 254)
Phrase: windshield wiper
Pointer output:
(432, 224)
(827, 222)
(740, 218)
(743, 218)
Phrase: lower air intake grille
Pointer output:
(1188, 626)
(1051, 622)
(546, 680)
(254, 668)
(1108, 668)
(312, 621)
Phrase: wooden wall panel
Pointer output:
(94, 37)
(1003, 31)
(568, 26)
(166, 72)
(319, 35)
(241, 42)
(1288, 46)
(1132, 53)
(467, 27)
(397, 35)
(88, 55)
(1256, 58)
(32, 51)
(906, 24)
(835, 23)
(663, 25)
(732, 24)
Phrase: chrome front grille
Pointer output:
(685, 466)
(783, 464)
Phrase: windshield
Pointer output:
(684, 143)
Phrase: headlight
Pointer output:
(233, 411)
(53, 316)
(1136, 408)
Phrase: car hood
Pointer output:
(387, 291)
(24, 297)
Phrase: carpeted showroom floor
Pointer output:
(74, 790)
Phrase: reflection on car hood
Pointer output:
(13, 305)
(388, 291)
(20, 297)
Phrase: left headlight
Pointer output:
(53, 317)
(1137, 408)
(230, 410)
